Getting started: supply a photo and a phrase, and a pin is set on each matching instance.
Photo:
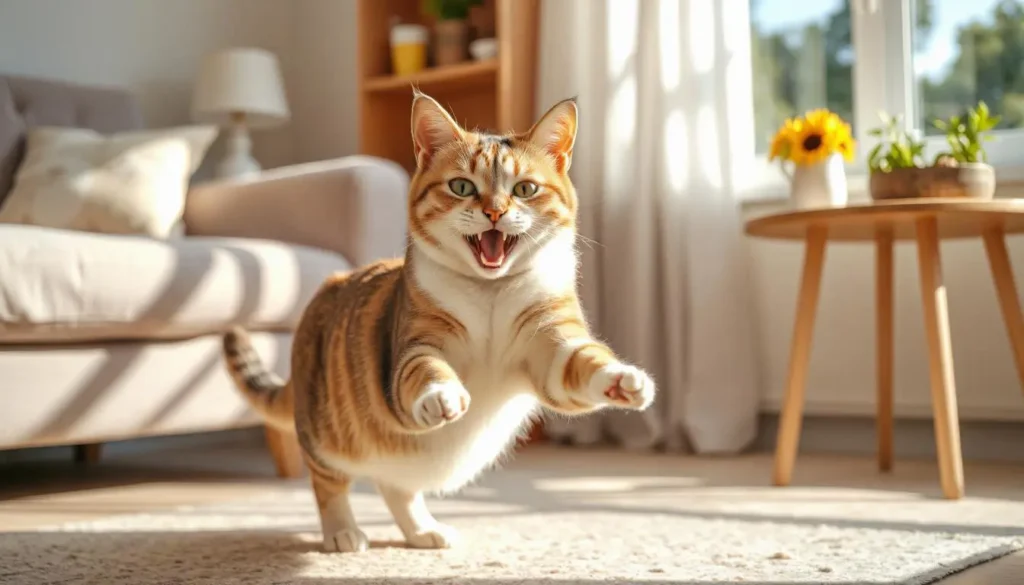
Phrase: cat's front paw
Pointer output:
(437, 536)
(622, 385)
(441, 403)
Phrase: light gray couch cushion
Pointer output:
(60, 286)
(27, 102)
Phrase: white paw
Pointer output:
(346, 540)
(440, 403)
(622, 385)
(438, 536)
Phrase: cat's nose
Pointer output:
(494, 214)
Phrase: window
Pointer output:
(801, 58)
(920, 59)
(965, 52)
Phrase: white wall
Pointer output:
(152, 47)
(841, 379)
(325, 72)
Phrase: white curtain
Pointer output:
(666, 122)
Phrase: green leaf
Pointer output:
(940, 124)
(973, 120)
(873, 156)
(875, 132)
(905, 156)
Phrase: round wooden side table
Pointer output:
(927, 221)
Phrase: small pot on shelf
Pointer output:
(451, 38)
(451, 29)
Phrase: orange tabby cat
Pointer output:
(419, 373)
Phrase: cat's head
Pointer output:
(488, 205)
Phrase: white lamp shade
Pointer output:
(240, 80)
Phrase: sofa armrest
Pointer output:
(355, 206)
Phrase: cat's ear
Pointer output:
(555, 133)
(432, 128)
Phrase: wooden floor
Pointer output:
(37, 494)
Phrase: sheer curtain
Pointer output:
(666, 120)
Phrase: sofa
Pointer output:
(107, 337)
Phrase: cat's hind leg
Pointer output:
(340, 531)
(420, 528)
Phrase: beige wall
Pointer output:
(841, 379)
(325, 74)
(154, 47)
(151, 46)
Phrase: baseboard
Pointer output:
(913, 438)
(204, 440)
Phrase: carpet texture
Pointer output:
(596, 535)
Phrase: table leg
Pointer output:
(800, 352)
(1002, 274)
(884, 341)
(940, 359)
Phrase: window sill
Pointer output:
(1009, 185)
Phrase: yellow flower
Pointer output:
(817, 137)
(782, 144)
(812, 138)
(846, 146)
(780, 148)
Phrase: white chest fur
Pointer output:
(489, 363)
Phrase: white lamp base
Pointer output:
(238, 160)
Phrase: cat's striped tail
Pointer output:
(266, 392)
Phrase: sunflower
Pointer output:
(817, 137)
(812, 138)
(845, 146)
(782, 144)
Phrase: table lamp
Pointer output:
(241, 88)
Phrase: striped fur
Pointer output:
(418, 373)
(266, 392)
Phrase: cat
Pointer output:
(419, 373)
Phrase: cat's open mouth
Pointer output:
(492, 247)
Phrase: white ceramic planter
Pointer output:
(821, 184)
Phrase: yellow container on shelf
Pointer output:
(408, 48)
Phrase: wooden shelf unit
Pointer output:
(445, 77)
(495, 95)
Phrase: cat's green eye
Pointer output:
(524, 189)
(462, 187)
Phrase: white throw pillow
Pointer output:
(125, 183)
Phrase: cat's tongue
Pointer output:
(492, 247)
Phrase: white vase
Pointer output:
(821, 184)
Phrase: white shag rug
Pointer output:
(587, 538)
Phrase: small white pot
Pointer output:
(822, 184)
(482, 49)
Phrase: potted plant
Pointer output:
(898, 169)
(451, 29)
(816, 144)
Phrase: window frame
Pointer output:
(882, 39)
